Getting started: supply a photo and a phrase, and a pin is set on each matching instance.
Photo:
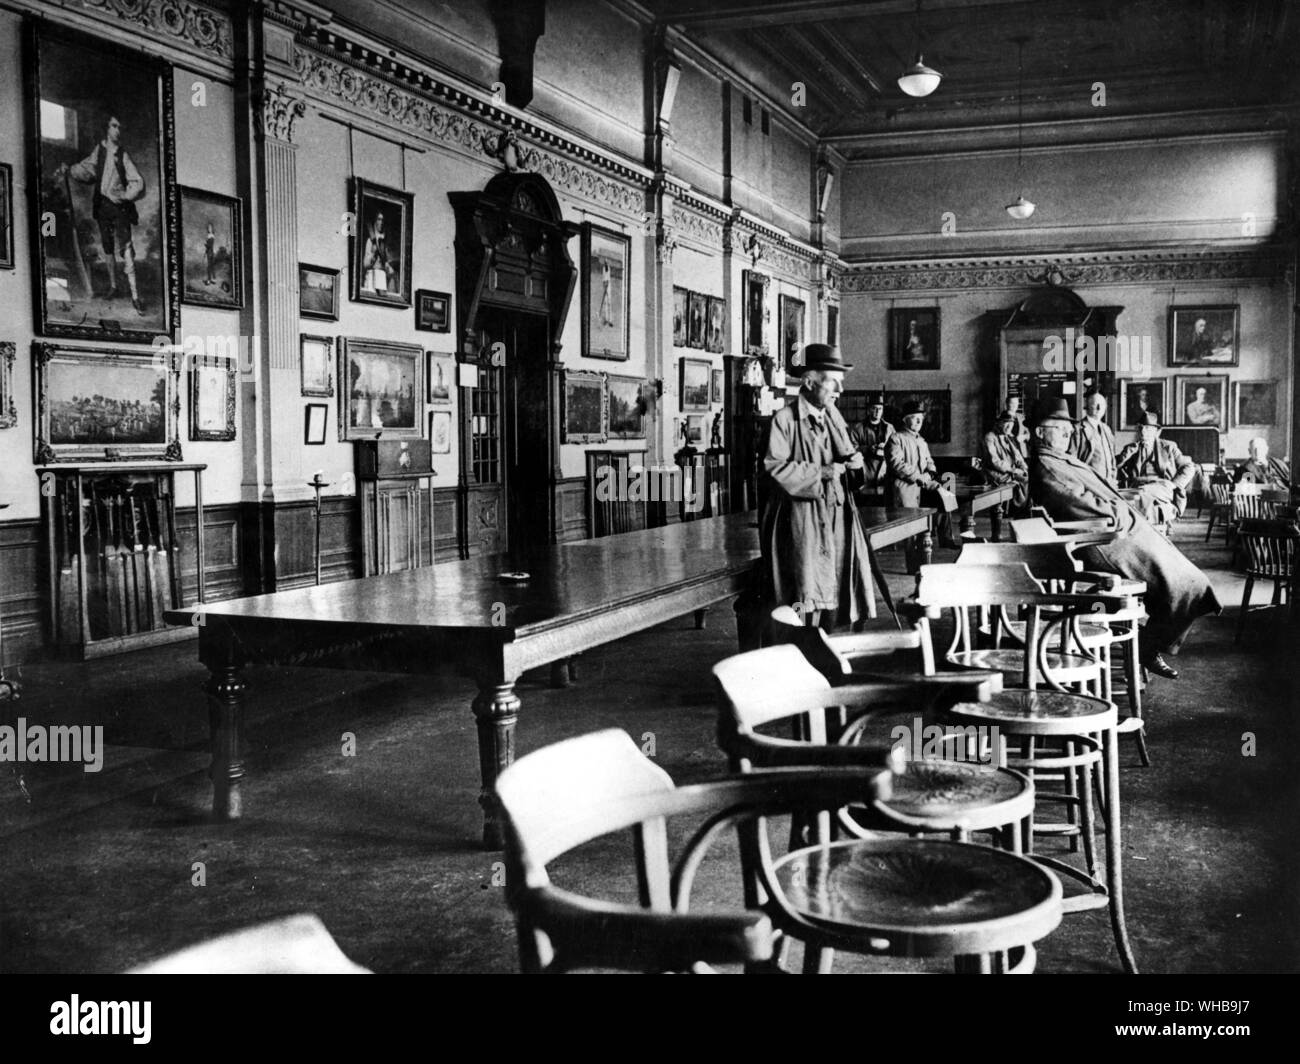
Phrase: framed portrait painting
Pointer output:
(913, 338)
(318, 292)
(442, 375)
(715, 386)
(1203, 400)
(716, 324)
(586, 400)
(1138, 398)
(212, 398)
(6, 217)
(1204, 336)
(699, 325)
(95, 403)
(756, 312)
(681, 316)
(317, 358)
(626, 410)
(792, 326)
(381, 244)
(606, 258)
(1254, 403)
(694, 384)
(381, 386)
(833, 325)
(102, 183)
(212, 252)
(315, 420)
(432, 311)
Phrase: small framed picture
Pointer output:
(432, 311)
(792, 331)
(914, 338)
(1204, 336)
(6, 217)
(716, 326)
(440, 432)
(1254, 403)
(1203, 400)
(695, 429)
(699, 325)
(715, 386)
(212, 398)
(8, 408)
(694, 384)
(317, 354)
(681, 316)
(586, 401)
(318, 292)
(315, 423)
(442, 375)
(212, 253)
(626, 410)
(606, 296)
(833, 325)
(381, 245)
(1138, 398)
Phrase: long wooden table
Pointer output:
(463, 616)
(975, 499)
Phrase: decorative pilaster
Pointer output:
(277, 114)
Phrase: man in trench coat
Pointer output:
(815, 555)
(1177, 591)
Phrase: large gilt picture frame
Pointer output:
(756, 312)
(104, 266)
(1207, 335)
(381, 244)
(381, 390)
(212, 249)
(212, 398)
(104, 404)
(606, 294)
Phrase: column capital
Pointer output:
(278, 111)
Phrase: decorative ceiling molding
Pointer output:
(1089, 268)
(695, 227)
(572, 167)
(180, 22)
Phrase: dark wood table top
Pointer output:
(566, 582)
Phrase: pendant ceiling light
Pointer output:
(919, 79)
(1022, 208)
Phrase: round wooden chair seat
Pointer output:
(921, 897)
(961, 793)
(1064, 668)
(1022, 712)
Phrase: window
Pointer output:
(747, 111)
(485, 426)
(766, 123)
(58, 124)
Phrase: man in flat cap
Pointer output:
(915, 479)
(1177, 591)
(871, 438)
(1159, 470)
(1003, 462)
(815, 555)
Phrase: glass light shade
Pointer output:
(1021, 209)
(919, 79)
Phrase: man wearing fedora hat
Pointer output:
(871, 438)
(1003, 462)
(1159, 470)
(815, 555)
(915, 480)
(1177, 591)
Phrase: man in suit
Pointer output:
(915, 478)
(871, 438)
(1094, 442)
(815, 554)
(1177, 591)
(1261, 469)
(1159, 470)
(1003, 462)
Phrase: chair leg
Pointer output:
(1210, 529)
(1245, 607)
(1114, 851)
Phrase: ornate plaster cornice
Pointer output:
(183, 23)
(436, 111)
(1082, 268)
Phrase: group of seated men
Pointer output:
(815, 551)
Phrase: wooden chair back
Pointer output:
(1221, 489)
(1270, 547)
(1048, 560)
(836, 655)
(1036, 529)
(969, 586)
(1257, 502)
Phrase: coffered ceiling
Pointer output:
(1153, 57)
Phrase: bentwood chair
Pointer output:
(574, 792)
(1271, 549)
(878, 894)
(1220, 505)
(1059, 731)
(294, 945)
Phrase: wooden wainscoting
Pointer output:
(23, 592)
(571, 509)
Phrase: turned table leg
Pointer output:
(496, 711)
(995, 518)
(225, 689)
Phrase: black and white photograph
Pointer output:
(382, 220)
(661, 487)
(103, 188)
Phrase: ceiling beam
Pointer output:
(703, 16)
